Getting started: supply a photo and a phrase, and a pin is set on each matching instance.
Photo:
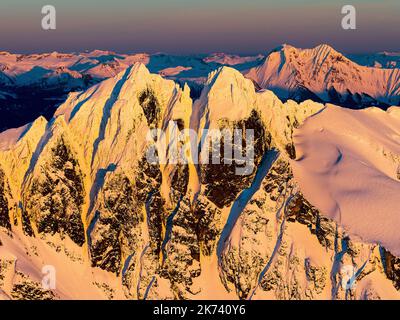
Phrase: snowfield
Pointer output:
(348, 167)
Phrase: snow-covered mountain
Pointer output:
(78, 194)
(72, 70)
(232, 59)
(322, 74)
(34, 85)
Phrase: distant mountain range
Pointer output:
(388, 60)
(33, 85)
(80, 69)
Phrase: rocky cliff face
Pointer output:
(4, 210)
(55, 195)
(79, 194)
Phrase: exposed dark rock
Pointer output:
(241, 264)
(300, 210)
(27, 289)
(147, 184)
(150, 106)
(4, 210)
(291, 151)
(277, 179)
(26, 224)
(223, 184)
(155, 220)
(392, 267)
(208, 217)
(55, 199)
(180, 179)
(182, 254)
(117, 226)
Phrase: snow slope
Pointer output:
(348, 167)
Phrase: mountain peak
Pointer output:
(285, 46)
(326, 49)
(226, 85)
(10, 137)
(226, 81)
(138, 70)
(323, 48)
(324, 74)
(222, 75)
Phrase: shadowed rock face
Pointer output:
(148, 183)
(26, 224)
(222, 183)
(240, 264)
(208, 224)
(54, 200)
(301, 211)
(180, 179)
(392, 268)
(192, 230)
(28, 290)
(150, 106)
(182, 254)
(4, 210)
(117, 224)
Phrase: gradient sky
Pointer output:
(198, 26)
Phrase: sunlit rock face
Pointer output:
(80, 194)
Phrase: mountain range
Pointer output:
(35, 84)
(77, 192)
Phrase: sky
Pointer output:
(198, 26)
